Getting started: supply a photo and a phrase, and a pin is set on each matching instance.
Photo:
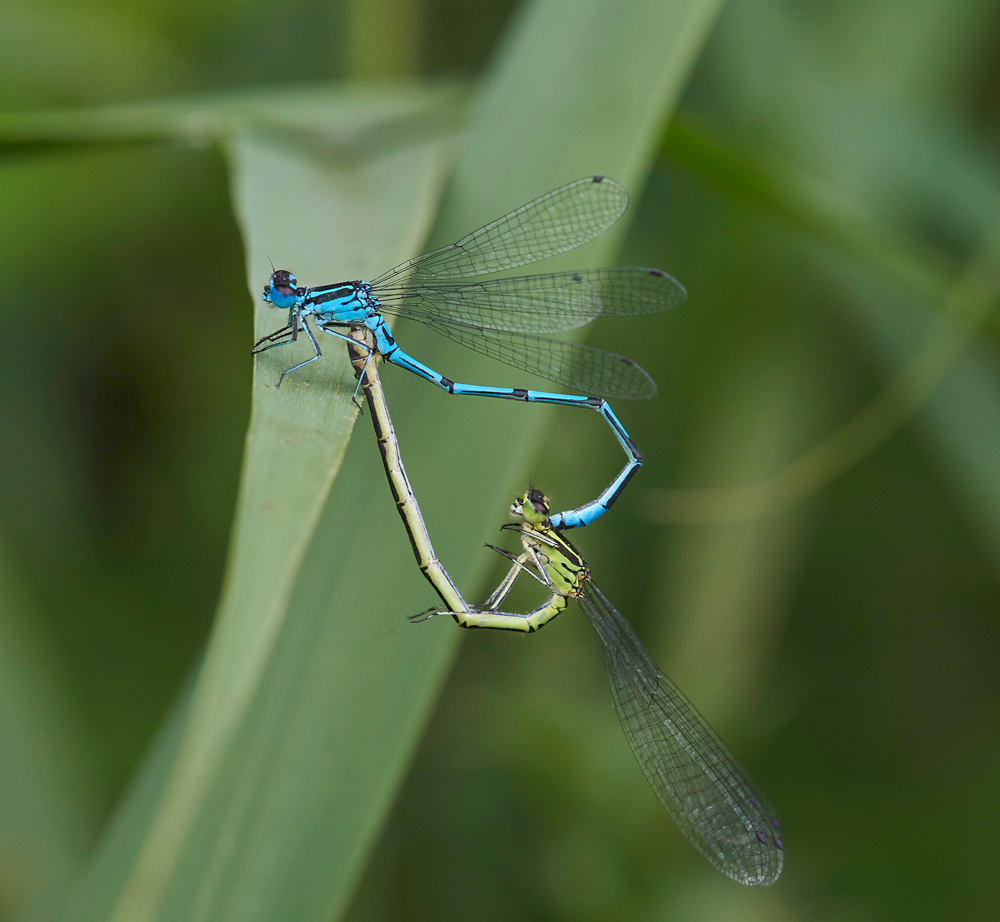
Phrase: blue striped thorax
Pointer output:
(345, 302)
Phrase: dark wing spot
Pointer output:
(598, 179)
(577, 278)
(762, 837)
(777, 841)
(658, 272)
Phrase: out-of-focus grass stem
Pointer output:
(969, 304)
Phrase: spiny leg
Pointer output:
(361, 377)
(507, 583)
(356, 344)
(315, 345)
(289, 328)
(488, 614)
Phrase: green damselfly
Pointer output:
(703, 787)
(359, 349)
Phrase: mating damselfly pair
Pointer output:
(709, 795)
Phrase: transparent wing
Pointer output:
(706, 791)
(548, 303)
(586, 371)
(558, 221)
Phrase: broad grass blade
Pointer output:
(344, 218)
(49, 774)
(314, 690)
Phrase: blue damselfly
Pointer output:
(503, 318)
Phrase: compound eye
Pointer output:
(538, 500)
(283, 281)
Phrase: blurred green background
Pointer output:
(812, 550)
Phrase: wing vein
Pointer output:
(703, 787)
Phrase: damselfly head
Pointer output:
(280, 289)
(533, 507)
(538, 500)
